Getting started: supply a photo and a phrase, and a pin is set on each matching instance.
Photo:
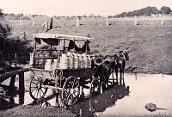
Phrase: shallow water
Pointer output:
(144, 88)
(121, 101)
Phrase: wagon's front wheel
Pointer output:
(37, 90)
(71, 91)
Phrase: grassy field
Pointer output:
(149, 43)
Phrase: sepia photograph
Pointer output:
(85, 58)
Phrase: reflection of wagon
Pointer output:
(53, 65)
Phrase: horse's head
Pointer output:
(107, 60)
(102, 66)
(98, 60)
(126, 54)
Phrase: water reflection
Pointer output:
(99, 103)
(8, 95)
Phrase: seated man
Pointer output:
(86, 47)
(72, 45)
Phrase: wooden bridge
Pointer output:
(12, 76)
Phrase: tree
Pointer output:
(1, 14)
(165, 10)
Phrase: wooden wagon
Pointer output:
(54, 64)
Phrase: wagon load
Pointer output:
(48, 64)
(75, 61)
(70, 60)
(84, 61)
(63, 64)
(31, 59)
(88, 65)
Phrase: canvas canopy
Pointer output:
(60, 37)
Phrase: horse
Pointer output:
(102, 69)
(119, 64)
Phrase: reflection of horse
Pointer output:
(99, 103)
(119, 64)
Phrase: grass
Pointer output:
(149, 43)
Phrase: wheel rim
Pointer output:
(37, 90)
(71, 91)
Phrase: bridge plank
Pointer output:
(13, 73)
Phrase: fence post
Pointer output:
(135, 20)
(107, 21)
(21, 88)
(20, 21)
(33, 23)
(51, 23)
(162, 20)
(24, 36)
(15, 56)
(77, 21)
(12, 82)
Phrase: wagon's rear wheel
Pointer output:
(37, 90)
(71, 91)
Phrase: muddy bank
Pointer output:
(36, 111)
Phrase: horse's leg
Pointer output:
(123, 70)
(101, 85)
(116, 72)
(113, 78)
(121, 76)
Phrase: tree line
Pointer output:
(148, 11)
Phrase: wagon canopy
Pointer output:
(51, 38)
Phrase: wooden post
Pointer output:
(162, 21)
(107, 21)
(77, 21)
(12, 82)
(21, 88)
(51, 23)
(20, 21)
(47, 26)
(15, 56)
(135, 20)
(33, 23)
(24, 36)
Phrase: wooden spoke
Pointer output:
(71, 91)
(37, 90)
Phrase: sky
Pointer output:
(78, 7)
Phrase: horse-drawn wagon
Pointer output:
(57, 62)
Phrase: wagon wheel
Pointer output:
(71, 91)
(95, 85)
(37, 90)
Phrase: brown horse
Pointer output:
(119, 64)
